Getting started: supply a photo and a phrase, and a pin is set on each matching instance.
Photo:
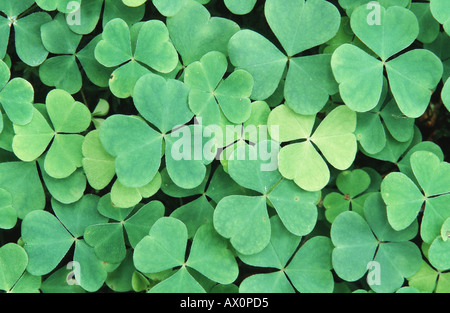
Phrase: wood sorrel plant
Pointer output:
(224, 146)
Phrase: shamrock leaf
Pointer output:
(307, 269)
(59, 39)
(135, 146)
(440, 48)
(131, 55)
(377, 125)
(404, 164)
(352, 186)
(309, 80)
(350, 5)
(126, 197)
(58, 282)
(68, 118)
(16, 97)
(240, 7)
(343, 35)
(8, 215)
(244, 219)
(210, 94)
(152, 255)
(49, 237)
(62, 71)
(22, 181)
(233, 217)
(14, 261)
(185, 149)
(300, 161)
(98, 165)
(446, 94)
(84, 17)
(157, 98)
(166, 8)
(227, 136)
(194, 32)
(306, 32)
(200, 211)
(429, 279)
(361, 82)
(66, 190)
(428, 26)
(28, 42)
(358, 241)
(441, 13)
(108, 239)
(194, 214)
(404, 199)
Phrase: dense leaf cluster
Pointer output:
(224, 146)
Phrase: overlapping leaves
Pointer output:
(309, 81)
(300, 161)
(155, 195)
(360, 75)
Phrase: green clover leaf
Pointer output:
(404, 199)
(308, 270)
(199, 211)
(68, 118)
(244, 219)
(14, 262)
(62, 71)
(16, 97)
(194, 32)
(361, 82)
(428, 26)
(352, 186)
(128, 51)
(198, 146)
(439, 254)
(61, 231)
(184, 144)
(445, 230)
(358, 241)
(108, 239)
(446, 94)
(227, 136)
(51, 5)
(306, 32)
(98, 165)
(8, 215)
(429, 279)
(440, 48)
(126, 197)
(85, 17)
(334, 137)
(441, 13)
(135, 146)
(309, 80)
(28, 41)
(350, 5)
(22, 181)
(65, 190)
(157, 99)
(240, 7)
(156, 252)
(166, 8)
(210, 94)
